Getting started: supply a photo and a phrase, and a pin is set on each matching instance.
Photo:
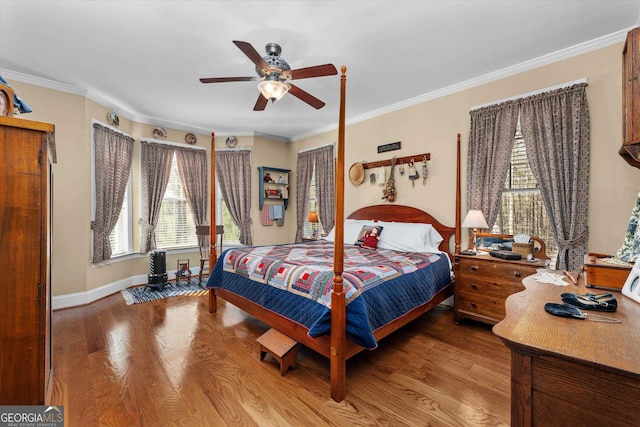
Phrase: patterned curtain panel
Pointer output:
(490, 143)
(233, 169)
(555, 128)
(192, 168)
(304, 172)
(113, 156)
(156, 169)
(325, 186)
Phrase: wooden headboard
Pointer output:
(399, 213)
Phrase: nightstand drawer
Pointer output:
(481, 305)
(495, 271)
(487, 286)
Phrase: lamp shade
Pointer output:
(272, 89)
(475, 219)
(313, 217)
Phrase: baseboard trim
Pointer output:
(75, 299)
(83, 298)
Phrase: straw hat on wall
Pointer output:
(356, 173)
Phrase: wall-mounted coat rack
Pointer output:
(406, 159)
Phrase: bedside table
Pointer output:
(483, 283)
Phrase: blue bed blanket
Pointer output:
(296, 281)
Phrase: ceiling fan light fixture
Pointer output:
(272, 89)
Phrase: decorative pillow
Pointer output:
(352, 229)
(410, 237)
(369, 236)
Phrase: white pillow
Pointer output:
(352, 229)
(409, 237)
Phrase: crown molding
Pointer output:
(42, 82)
(541, 61)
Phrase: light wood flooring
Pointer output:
(172, 363)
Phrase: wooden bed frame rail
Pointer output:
(336, 346)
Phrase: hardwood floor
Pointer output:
(172, 363)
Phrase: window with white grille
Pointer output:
(120, 237)
(223, 217)
(307, 230)
(522, 208)
(175, 228)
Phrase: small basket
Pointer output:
(523, 249)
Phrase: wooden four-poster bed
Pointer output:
(337, 339)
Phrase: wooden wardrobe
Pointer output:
(630, 149)
(27, 150)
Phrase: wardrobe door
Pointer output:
(23, 288)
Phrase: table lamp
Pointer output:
(474, 220)
(313, 219)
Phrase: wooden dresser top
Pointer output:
(528, 328)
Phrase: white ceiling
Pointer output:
(143, 59)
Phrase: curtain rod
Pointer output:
(315, 148)
(174, 144)
(233, 150)
(93, 121)
(535, 92)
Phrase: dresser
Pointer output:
(568, 371)
(484, 282)
(27, 150)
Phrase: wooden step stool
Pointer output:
(281, 347)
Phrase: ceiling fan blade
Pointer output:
(261, 103)
(253, 55)
(316, 71)
(306, 97)
(228, 79)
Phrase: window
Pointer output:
(308, 227)
(522, 208)
(120, 237)
(223, 217)
(175, 228)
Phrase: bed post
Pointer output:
(338, 301)
(458, 197)
(213, 256)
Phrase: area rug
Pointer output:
(138, 294)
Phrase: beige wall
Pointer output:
(276, 155)
(427, 127)
(432, 127)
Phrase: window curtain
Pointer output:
(555, 128)
(490, 144)
(113, 157)
(325, 186)
(233, 170)
(322, 159)
(304, 173)
(156, 169)
(192, 168)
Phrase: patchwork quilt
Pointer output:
(296, 281)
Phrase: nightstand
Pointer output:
(483, 283)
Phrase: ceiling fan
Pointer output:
(274, 74)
